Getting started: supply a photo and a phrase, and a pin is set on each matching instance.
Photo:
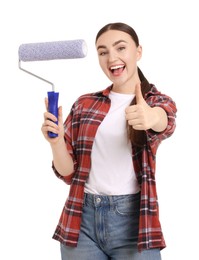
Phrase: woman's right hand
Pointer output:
(50, 125)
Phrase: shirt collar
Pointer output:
(104, 92)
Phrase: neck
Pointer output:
(125, 89)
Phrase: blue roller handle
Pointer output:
(53, 108)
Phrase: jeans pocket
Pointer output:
(128, 208)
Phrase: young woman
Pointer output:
(106, 152)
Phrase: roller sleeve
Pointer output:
(72, 49)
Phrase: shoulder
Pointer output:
(92, 96)
(155, 97)
(154, 91)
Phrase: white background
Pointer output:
(31, 197)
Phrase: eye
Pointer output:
(102, 53)
(121, 48)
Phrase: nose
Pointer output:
(112, 56)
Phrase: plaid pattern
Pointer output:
(80, 128)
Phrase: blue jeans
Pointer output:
(109, 230)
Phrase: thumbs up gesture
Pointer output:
(143, 117)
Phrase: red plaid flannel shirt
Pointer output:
(80, 128)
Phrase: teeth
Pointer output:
(117, 67)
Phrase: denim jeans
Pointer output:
(109, 230)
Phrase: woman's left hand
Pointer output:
(141, 116)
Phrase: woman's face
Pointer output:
(118, 56)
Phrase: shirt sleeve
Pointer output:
(165, 102)
(69, 140)
(67, 179)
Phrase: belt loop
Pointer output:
(111, 201)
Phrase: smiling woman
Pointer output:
(106, 151)
(119, 51)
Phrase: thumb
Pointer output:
(138, 94)
(60, 114)
(46, 103)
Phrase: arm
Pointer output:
(62, 160)
(157, 118)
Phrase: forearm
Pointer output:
(61, 158)
(161, 119)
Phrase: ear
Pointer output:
(139, 52)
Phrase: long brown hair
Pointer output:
(137, 137)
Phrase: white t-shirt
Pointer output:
(112, 171)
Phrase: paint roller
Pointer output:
(43, 51)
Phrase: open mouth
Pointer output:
(117, 70)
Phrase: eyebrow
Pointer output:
(114, 44)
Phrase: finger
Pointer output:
(136, 124)
(60, 114)
(46, 103)
(134, 121)
(44, 129)
(131, 116)
(49, 126)
(138, 94)
(131, 109)
(50, 116)
(138, 127)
